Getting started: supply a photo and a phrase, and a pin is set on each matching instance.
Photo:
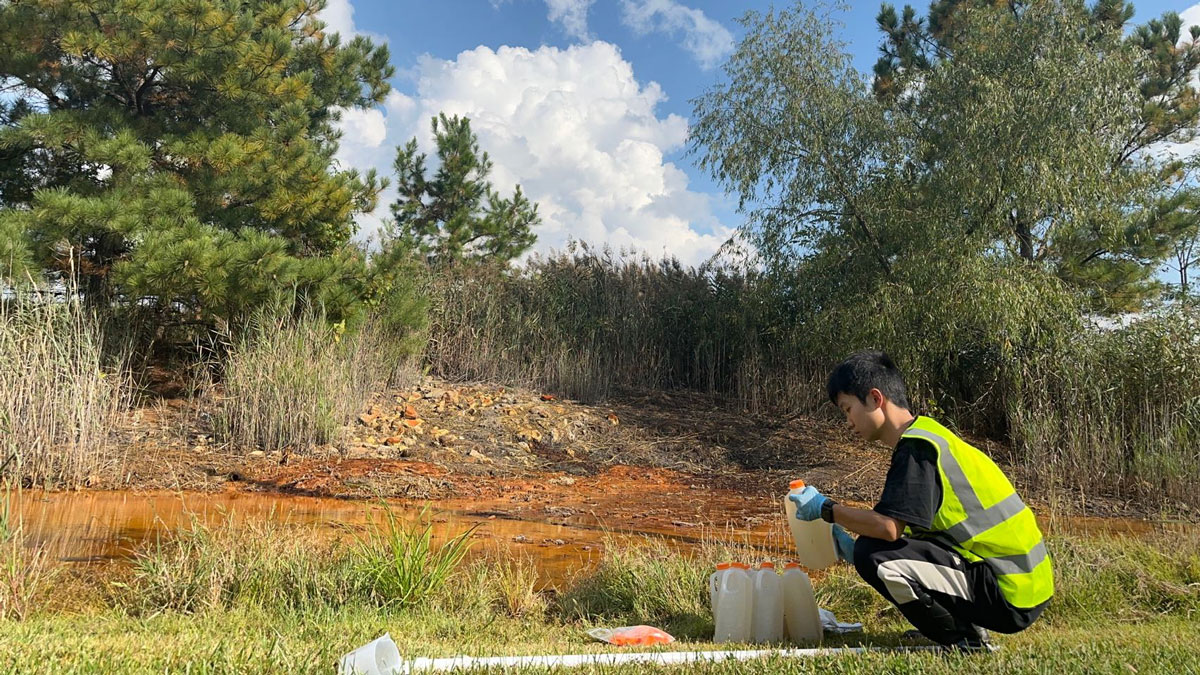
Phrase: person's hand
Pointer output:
(844, 542)
(808, 503)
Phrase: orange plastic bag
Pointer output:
(627, 636)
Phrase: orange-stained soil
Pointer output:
(673, 463)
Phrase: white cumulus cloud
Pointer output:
(707, 40)
(338, 16)
(575, 129)
(571, 15)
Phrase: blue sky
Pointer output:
(585, 103)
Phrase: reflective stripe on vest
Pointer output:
(979, 519)
(1004, 535)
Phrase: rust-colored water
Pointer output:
(104, 526)
(97, 526)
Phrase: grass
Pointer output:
(272, 598)
(1083, 409)
(290, 384)
(60, 394)
(26, 570)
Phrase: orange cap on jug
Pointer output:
(724, 565)
(766, 565)
(796, 484)
(790, 564)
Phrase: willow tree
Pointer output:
(992, 134)
(179, 153)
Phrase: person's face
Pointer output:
(865, 418)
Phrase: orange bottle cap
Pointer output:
(740, 566)
(767, 565)
(724, 565)
(790, 565)
(796, 484)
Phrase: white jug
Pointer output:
(768, 605)
(815, 547)
(800, 614)
(714, 585)
(735, 605)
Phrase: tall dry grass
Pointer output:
(292, 383)
(1084, 409)
(61, 392)
(26, 568)
(586, 323)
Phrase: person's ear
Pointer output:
(877, 398)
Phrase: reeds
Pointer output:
(1085, 410)
(60, 392)
(292, 383)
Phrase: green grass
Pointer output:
(267, 598)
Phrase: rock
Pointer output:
(393, 440)
(451, 397)
(477, 455)
(447, 439)
(435, 394)
(562, 480)
(613, 419)
(547, 397)
(532, 435)
(411, 423)
(570, 452)
(410, 412)
(520, 539)
(257, 454)
(367, 420)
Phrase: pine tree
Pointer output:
(456, 215)
(179, 153)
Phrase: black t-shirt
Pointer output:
(912, 491)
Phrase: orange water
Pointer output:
(98, 526)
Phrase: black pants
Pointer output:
(937, 590)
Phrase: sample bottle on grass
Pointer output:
(815, 547)
(714, 585)
(800, 614)
(733, 610)
(768, 604)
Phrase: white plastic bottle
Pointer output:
(815, 547)
(714, 585)
(735, 605)
(768, 605)
(800, 615)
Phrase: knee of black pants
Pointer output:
(865, 564)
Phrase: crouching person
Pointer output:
(950, 542)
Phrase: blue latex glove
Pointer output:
(844, 542)
(808, 503)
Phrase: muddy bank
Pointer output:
(650, 462)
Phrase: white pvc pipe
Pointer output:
(609, 659)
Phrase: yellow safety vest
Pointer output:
(983, 518)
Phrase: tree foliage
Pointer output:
(1014, 133)
(456, 215)
(180, 152)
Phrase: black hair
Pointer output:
(865, 370)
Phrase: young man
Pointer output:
(950, 542)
